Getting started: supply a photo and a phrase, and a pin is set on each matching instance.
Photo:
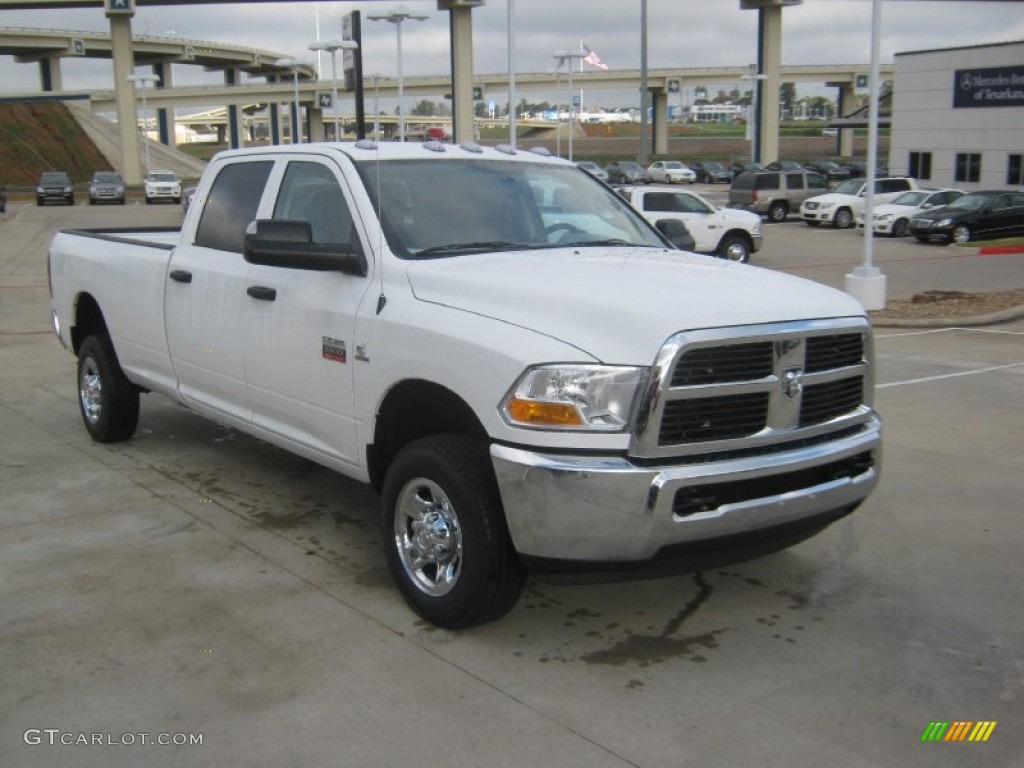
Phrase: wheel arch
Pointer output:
(88, 320)
(412, 409)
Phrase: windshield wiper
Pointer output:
(609, 241)
(484, 245)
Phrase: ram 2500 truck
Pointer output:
(529, 373)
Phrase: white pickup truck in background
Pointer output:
(535, 380)
(724, 232)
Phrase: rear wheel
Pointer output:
(843, 219)
(445, 538)
(777, 212)
(108, 401)
(961, 233)
(734, 248)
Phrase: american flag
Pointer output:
(593, 59)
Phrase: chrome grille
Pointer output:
(755, 387)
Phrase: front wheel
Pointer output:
(445, 538)
(843, 219)
(108, 401)
(961, 233)
(900, 228)
(734, 248)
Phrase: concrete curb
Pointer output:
(1002, 316)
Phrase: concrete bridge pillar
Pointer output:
(49, 75)
(236, 136)
(165, 117)
(660, 122)
(846, 102)
(124, 94)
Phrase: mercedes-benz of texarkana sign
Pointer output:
(529, 372)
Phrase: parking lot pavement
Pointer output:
(197, 582)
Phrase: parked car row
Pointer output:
(106, 187)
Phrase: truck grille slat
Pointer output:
(713, 418)
(714, 365)
(823, 402)
(828, 352)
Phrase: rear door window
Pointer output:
(231, 205)
(794, 181)
(767, 181)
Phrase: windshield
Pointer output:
(911, 198)
(163, 177)
(969, 202)
(673, 164)
(851, 187)
(55, 178)
(106, 178)
(431, 208)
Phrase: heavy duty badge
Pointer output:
(334, 349)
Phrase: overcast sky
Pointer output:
(682, 33)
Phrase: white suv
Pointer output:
(894, 218)
(163, 185)
(841, 206)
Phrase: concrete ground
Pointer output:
(197, 583)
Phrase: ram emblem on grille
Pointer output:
(793, 382)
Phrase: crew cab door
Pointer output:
(205, 294)
(704, 223)
(300, 322)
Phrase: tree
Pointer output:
(425, 108)
(787, 97)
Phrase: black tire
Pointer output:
(462, 570)
(812, 223)
(921, 239)
(39, 201)
(843, 219)
(900, 228)
(961, 234)
(109, 403)
(71, 200)
(734, 248)
(777, 212)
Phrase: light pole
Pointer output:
(144, 82)
(296, 121)
(568, 57)
(397, 17)
(334, 46)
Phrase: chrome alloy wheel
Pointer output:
(428, 537)
(90, 391)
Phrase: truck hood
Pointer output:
(619, 305)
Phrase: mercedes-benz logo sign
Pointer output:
(965, 81)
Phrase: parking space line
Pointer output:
(947, 330)
(940, 377)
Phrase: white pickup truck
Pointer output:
(531, 375)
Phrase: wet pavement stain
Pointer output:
(645, 650)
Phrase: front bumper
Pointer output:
(822, 215)
(595, 514)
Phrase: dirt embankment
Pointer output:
(44, 136)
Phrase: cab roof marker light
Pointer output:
(544, 151)
(471, 146)
(435, 146)
(506, 149)
(366, 144)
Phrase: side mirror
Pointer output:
(676, 233)
(289, 243)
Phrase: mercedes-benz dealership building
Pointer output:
(958, 117)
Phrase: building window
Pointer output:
(1015, 170)
(920, 165)
(968, 166)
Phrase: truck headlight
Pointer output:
(574, 397)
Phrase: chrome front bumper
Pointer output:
(608, 509)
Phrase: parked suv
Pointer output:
(775, 193)
(627, 172)
(975, 216)
(841, 206)
(106, 187)
(163, 185)
(829, 169)
(55, 185)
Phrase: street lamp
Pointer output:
(567, 57)
(396, 17)
(334, 46)
(296, 120)
(755, 77)
(144, 82)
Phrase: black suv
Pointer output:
(830, 170)
(975, 216)
(55, 185)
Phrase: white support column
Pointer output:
(462, 74)
(771, 66)
(660, 123)
(124, 90)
